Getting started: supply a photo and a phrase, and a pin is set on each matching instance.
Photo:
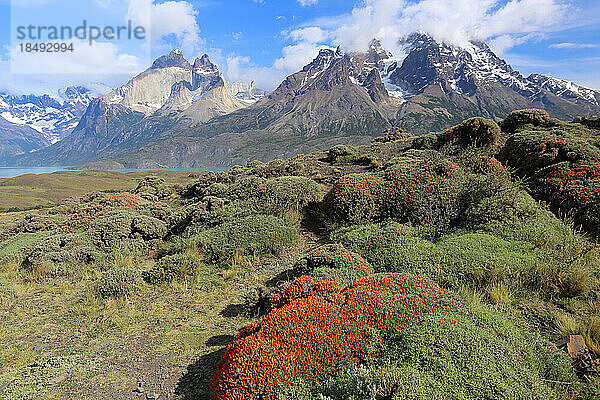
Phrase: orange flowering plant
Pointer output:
(320, 328)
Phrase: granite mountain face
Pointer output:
(179, 114)
(169, 91)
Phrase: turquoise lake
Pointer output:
(11, 172)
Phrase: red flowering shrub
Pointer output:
(564, 170)
(122, 200)
(529, 151)
(574, 188)
(357, 197)
(81, 216)
(426, 191)
(320, 329)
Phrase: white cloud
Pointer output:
(46, 73)
(568, 45)
(296, 56)
(452, 21)
(306, 3)
(312, 34)
(168, 24)
(501, 44)
(176, 18)
(240, 68)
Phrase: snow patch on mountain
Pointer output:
(54, 117)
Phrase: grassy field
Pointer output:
(29, 191)
(60, 341)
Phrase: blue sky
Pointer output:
(265, 40)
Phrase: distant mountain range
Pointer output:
(178, 114)
(53, 117)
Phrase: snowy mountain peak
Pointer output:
(173, 59)
(204, 65)
(566, 89)
(54, 118)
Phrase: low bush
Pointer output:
(207, 213)
(390, 247)
(29, 223)
(426, 191)
(341, 153)
(474, 132)
(58, 248)
(573, 189)
(254, 236)
(206, 179)
(181, 267)
(533, 150)
(356, 198)
(476, 260)
(118, 282)
(119, 227)
(333, 262)
(321, 328)
(287, 194)
(564, 170)
(504, 208)
(245, 188)
(522, 118)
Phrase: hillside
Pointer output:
(427, 267)
(19, 139)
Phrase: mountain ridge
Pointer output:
(191, 116)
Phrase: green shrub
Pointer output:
(255, 236)
(29, 223)
(247, 187)
(118, 282)
(154, 186)
(206, 179)
(207, 213)
(502, 209)
(217, 190)
(474, 132)
(118, 227)
(333, 262)
(60, 248)
(425, 142)
(341, 153)
(179, 267)
(476, 259)
(391, 247)
(288, 194)
(532, 117)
